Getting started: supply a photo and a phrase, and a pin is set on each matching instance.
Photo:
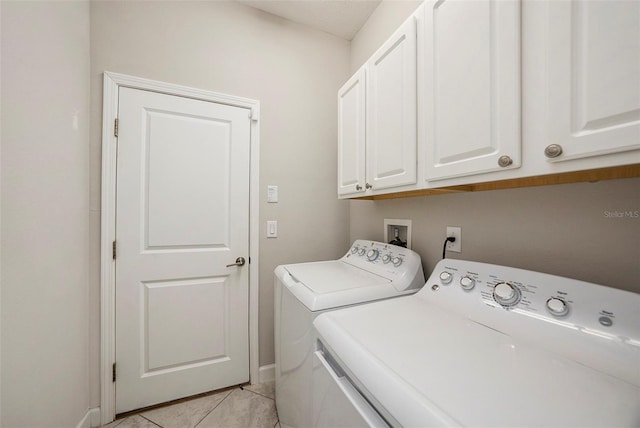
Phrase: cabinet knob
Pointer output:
(553, 151)
(505, 161)
(368, 186)
(358, 187)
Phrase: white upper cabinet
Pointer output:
(377, 114)
(477, 91)
(593, 88)
(391, 111)
(351, 135)
(472, 120)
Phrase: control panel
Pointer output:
(478, 290)
(387, 260)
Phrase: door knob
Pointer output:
(239, 262)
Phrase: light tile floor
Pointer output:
(251, 407)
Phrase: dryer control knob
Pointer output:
(506, 294)
(361, 251)
(372, 255)
(446, 277)
(397, 261)
(557, 307)
(386, 258)
(354, 250)
(467, 283)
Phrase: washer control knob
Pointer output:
(397, 261)
(361, 251)
(506, 294)
(467, 283)
(557, 307)
(372, 255)
(354, 250)
(386, 258)
(446, 277)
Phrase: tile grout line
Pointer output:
(215, 407)
(147, 419)
(262, 395)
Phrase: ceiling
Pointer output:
(342, 18)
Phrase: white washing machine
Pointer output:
(482, 345)
(369, 271)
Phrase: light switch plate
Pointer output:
(272, 229)
(272, 193)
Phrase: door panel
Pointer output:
(472, 90)
(173, 340)
(391, 111)
(351, 135)
(182, 216)
(594, 77)
(194, 218)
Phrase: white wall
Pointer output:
(45, 207)
(563, 230)
(1, 214)
(293, 70)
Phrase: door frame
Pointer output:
(111, 84)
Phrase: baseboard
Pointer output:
(267, 373)
(91, 419)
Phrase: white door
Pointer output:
(472, 87)
(594, 78)
(182, 216)
(351, 135)
(392, 110)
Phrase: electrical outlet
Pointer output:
(456, 232)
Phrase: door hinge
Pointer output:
(115, 128)
(113, 249)
(113, 372)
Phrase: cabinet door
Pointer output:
(351, 135)
(391, 111)
(472, 87)
(593, 60)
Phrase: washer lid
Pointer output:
(333, 276)
(332, 284)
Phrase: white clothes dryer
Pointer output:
(369, 271)
(482, 346)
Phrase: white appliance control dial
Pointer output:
(557, 307)
(386, 258)
(397, 261)
(506, 294)
(446, 277)
(372, 255)
(361, 251)
(354, 250)
(467, 283)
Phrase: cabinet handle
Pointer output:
(553, 151)
(358, 187)
(505, 161)
(368, 186)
